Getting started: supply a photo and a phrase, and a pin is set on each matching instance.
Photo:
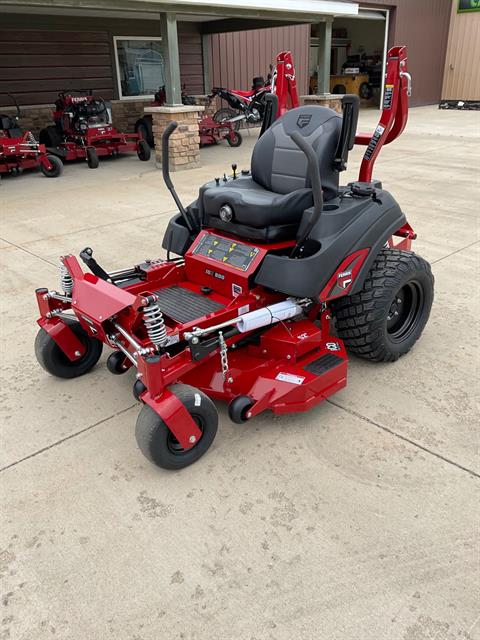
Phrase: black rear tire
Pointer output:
(143, 151)
(92, 158)
(157, 442)
(384, 320)
(227, 114)
(50, 137)
(54, 360)
(56, 169)
(144, 128)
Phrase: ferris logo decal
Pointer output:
(303, 120)
(79, 99)
(344, 279)
(333, 346)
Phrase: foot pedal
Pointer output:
(323, 364)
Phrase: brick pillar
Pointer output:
(185, 140)
(332, 100)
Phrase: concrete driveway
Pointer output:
(356, 521)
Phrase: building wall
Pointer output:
(237, 57)
(461, 79)
(423, 26)
(43, 55)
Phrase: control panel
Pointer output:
(223, 264)
(235, 254)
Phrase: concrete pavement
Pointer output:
(356, 521)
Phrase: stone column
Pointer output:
(185, 140)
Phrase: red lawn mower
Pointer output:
(279, 272)
(19, 149)
(83, 130)
(210, 131)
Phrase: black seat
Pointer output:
(269, 204)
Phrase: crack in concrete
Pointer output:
(405, 439)
(62, 440)
(18, 246)
(454, 252)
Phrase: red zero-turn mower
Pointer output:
(83, 130)
(281, 272)
(19, 149)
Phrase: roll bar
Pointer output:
(398, 88)
(314, 174)
(191, 225)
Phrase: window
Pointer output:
(140, 68)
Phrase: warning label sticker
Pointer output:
(289, 377)
(374, 141)
(388, 96)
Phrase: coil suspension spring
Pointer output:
(66, 280)
(155, 324)
(31, 138)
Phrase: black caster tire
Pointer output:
(55, 362)
(92, 158)
(116, 363)
(239, 408)
(237, 139)
(57, 167)
(144, 151)
(227, 114)
(384, 320)
(138, 389)
(157, 442)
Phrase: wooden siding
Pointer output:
(237, 57)
(461, 79)
(43, 55)
(36, 65)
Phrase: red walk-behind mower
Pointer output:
(83, 130)
(19, 149)
(281, 272)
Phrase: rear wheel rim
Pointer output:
(405, 311)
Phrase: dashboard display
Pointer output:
(235, 254)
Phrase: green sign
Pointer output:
(468, 5)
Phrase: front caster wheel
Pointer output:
(143, 151)
(157, 442)
(138, 389)
(238, 409)
(54, 360)
(92, 158)
(117, 363)
(56, 167)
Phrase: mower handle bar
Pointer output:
(314, 174)
(166, 174)
(14, 100)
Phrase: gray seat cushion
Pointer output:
(278, 191)
(254, 205)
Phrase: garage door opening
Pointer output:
(358, 53)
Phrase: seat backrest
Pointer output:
(278, 164)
